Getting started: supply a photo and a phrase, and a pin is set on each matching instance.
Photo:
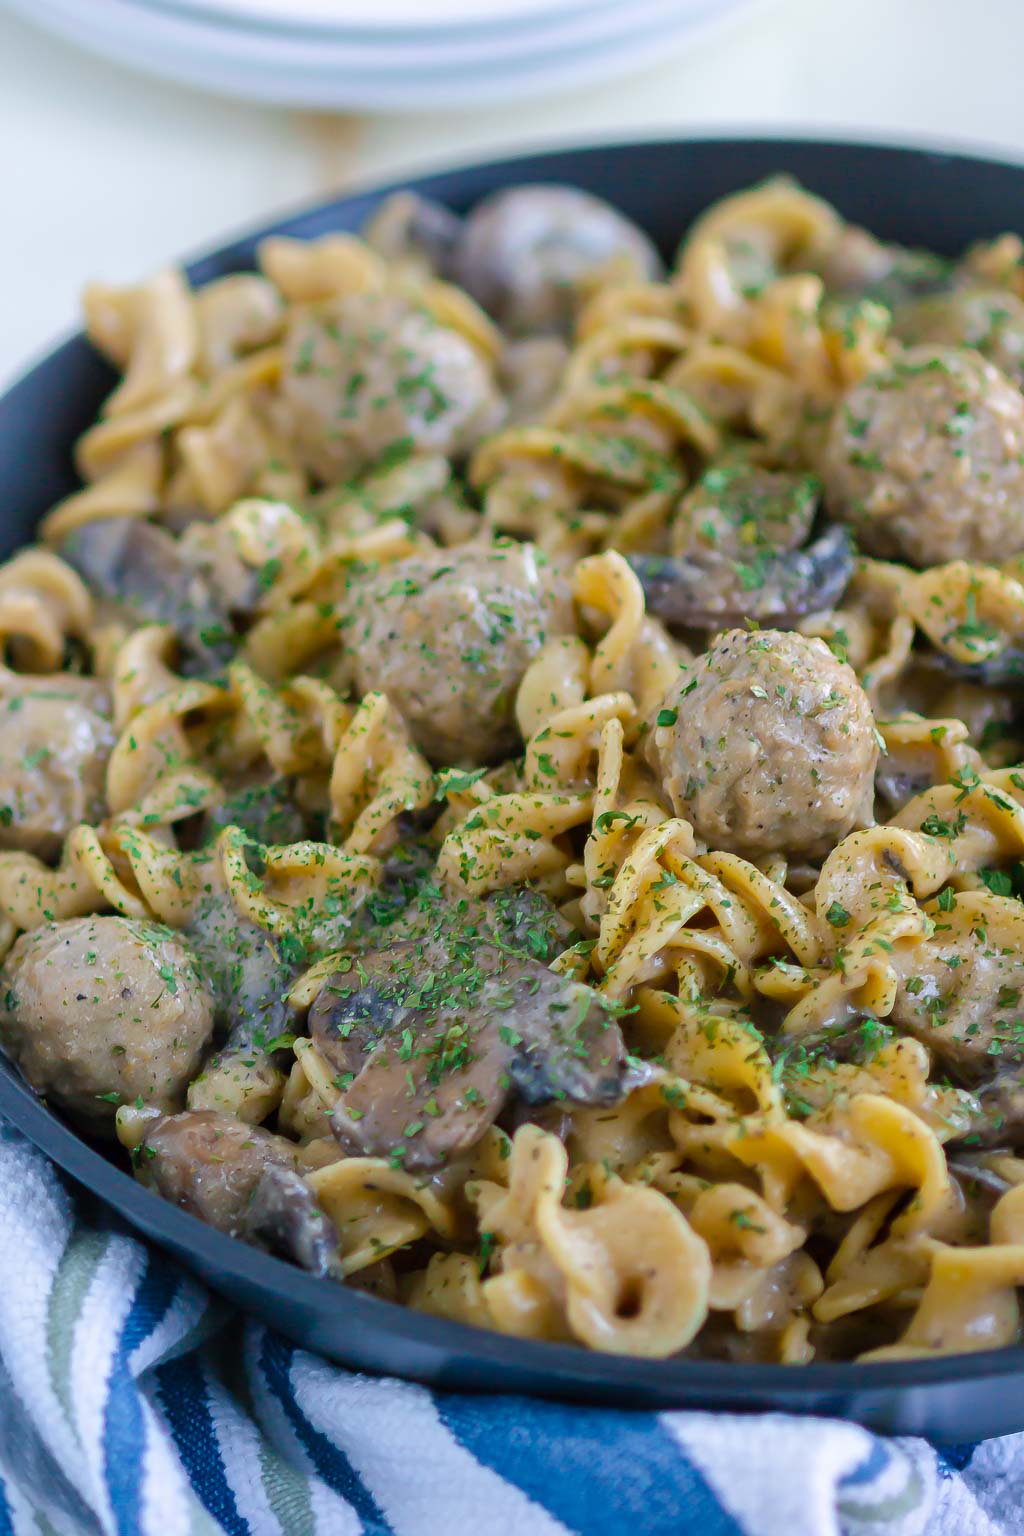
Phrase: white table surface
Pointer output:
(106, 174)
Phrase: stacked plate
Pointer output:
(391, 55)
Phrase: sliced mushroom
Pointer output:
(525, 251)
(250, 972)
(240, 1179)
(524, 920)
(775, 588)
(429, 1047)
(128, 561)
(973, 1169)
(518, 919)
(262, 807)
(999, 1119)
(1003, 670)
(414, 230)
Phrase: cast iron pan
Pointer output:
(942, 201)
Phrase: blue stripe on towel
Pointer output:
(330, 1461)
(184, 1400)
(593, 1469)
(874, 1463)
(954, 1458)
(124, 1429)
(6, 1526)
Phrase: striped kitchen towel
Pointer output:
(131, 1402)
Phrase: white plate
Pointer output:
(404, 16)
(319, 74)
(399, 55)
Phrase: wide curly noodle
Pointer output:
(771, 1183)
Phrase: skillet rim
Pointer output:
(873, 1392)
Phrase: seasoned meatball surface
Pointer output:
(990, 320)
(103, 1010)
(55, 738)
(370, 373)
(771, 746)
(926, 460)
(962, 993)
(448, 637)
(741, 512)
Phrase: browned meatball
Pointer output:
(525, 251)
(926, 460)
(448, 637)
(767, 745)
(54, 743)
(990, 320)
(370, 373)
(101, 1011)
(963, 991)
(742, 513)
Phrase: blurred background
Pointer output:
(108, 172)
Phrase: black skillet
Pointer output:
(941, 201)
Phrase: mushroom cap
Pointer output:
(525, 250)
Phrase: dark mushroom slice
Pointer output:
(125, 560)
(999, 1118)
(524, 920)
(1003, 670)
(407, 227)
(895, 787)
(973, 1170)
(249, 971)
(428, 1049)
(525, 251)
(519, 919)
(238, 1178)
(773, 589)
(262, 806)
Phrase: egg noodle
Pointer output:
(340, 651)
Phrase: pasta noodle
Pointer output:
(510, 793)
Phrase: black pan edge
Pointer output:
(929, 196)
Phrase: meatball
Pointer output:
(962, 994)
(525, 251)
(989, 319)
(926, 460)
(767, 745)
(54, 746)
(372, 372)
(741, 512)
(448, 637)
(103, 1010)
